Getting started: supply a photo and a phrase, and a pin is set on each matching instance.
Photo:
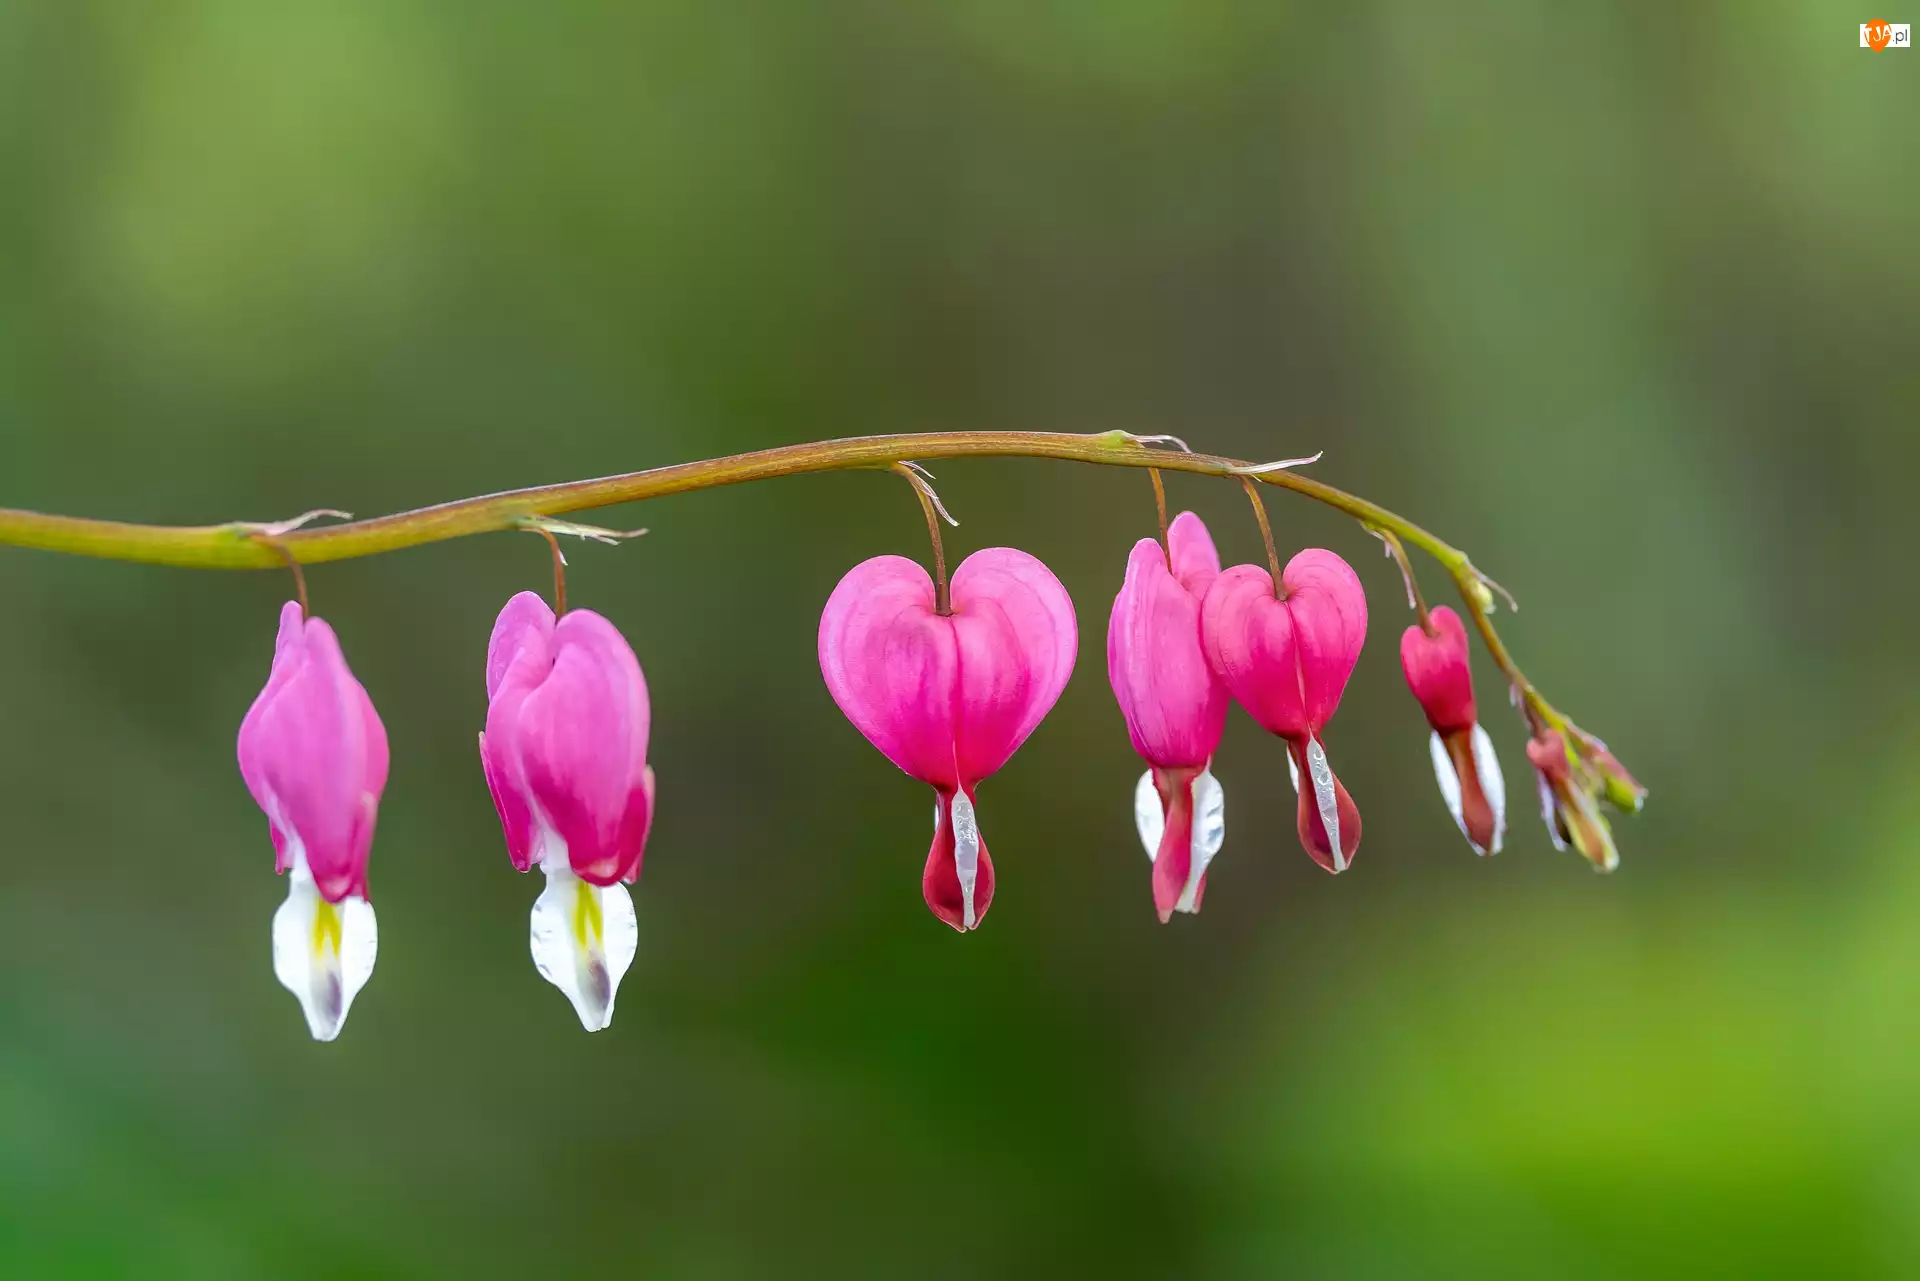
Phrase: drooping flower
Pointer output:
(949, 698)
(314, 756)
(1441, 678)
(565, 754)
(1567, 791)
(1286, 659)
(1175, 708)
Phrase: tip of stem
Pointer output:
(1283, 464)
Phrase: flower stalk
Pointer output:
(235, 546)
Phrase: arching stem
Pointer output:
(236, 545)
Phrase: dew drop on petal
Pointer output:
(1492, 782)
(1147, 816)
(1326, 799)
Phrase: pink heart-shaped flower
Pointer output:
(949, 698)
(1286, 659)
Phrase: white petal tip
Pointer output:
(583, 938)
(1325, 798)
(323, 952)
(1492, 782)
(1147, 815)
(1209, 834)
(966, 855)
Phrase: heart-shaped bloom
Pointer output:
(565, 754)
(949, 698)
(1175, 708)
(314, 756)
(1286, 659)
(1441, 678)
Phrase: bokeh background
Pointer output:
(1625, 301)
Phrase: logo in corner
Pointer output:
(1879, 34)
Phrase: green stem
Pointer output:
(237, 545)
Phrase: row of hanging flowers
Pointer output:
(947, 678)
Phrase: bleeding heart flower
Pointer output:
(949, 698)
(1440, 676)
(1175, 708)
(314, 756)
(565, 754)
(1567, 790)
(1286, 659)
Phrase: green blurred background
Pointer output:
(1624, 301)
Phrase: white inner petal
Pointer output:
(1209, 833)
(323, 952)
(1546, 810)
(1325, 798)
(1293, 774)
(1491, 782)
(1147, 816)
(966, 853)
(1449, 780)
(583, 938)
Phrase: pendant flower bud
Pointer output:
(314, 756)
(1175, 708)
(1623, 791)
(1441, 678)
(565, 755)
(1286, 659)
(1567, 801)
(949, 698)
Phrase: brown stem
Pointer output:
(231, 546)
(1160, 506)
(1414, 596)
(942, 605)
(299, 578)
(1266, 534)
(559, 570)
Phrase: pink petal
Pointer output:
(1016, 646)
(580, 739)
(1287, 661)
(1195, 562)
(314, 755)
(288, 648)
(526, 623)
(1249, 640)
(510, 802)
(1439, 673)
(1174, 705)
(892, 664)
(1329, 609)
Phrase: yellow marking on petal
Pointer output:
(326, 928)
(587, 915)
